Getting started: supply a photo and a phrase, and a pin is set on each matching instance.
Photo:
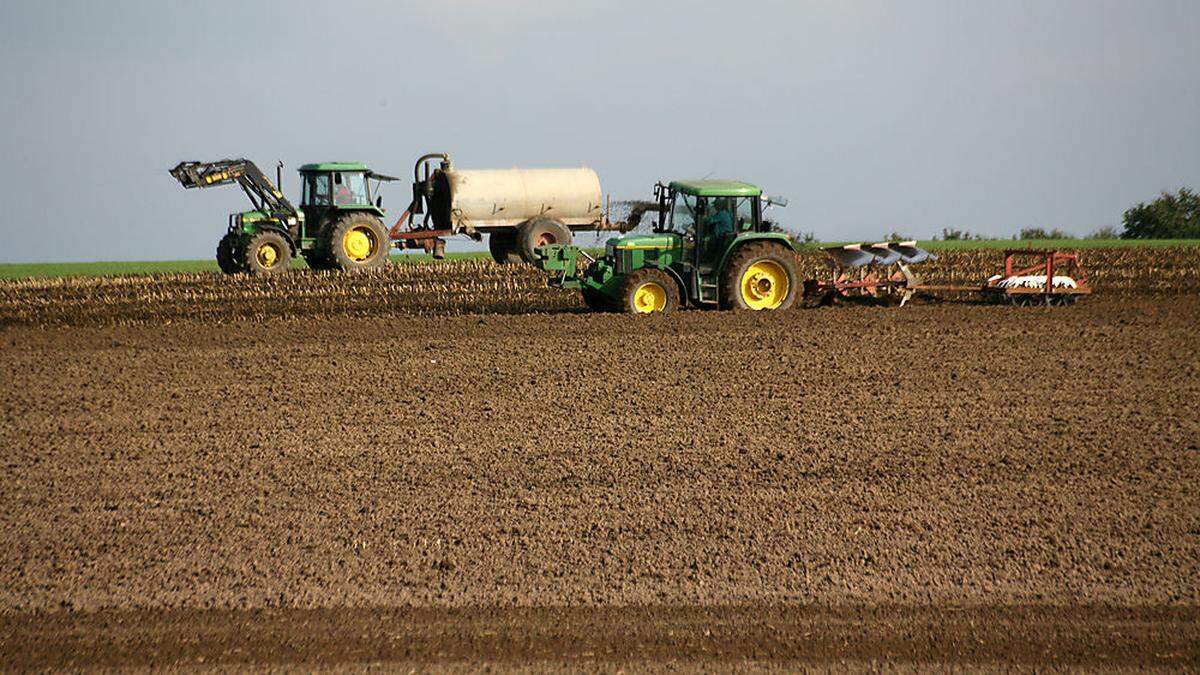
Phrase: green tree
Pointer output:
(951, 234)
(1171, 216)
(1106, 232)
(1042, 233)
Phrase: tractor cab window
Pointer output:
(682, 217)
(744, 215)
(719, 216)
(316, 190)
(350, 188)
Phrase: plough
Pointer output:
(884, 270)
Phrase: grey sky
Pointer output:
(870, 116)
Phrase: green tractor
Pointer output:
(710, 247)
(336, 226)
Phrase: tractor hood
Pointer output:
(645, 241)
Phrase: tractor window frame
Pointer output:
(746, 208)
(311, 191)
(356, 184)
(668, 222)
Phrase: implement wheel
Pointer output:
(228, 258)
(760, 276)
(266, 254)
(355, 242)
(649, 291)
(503, 247)
(540, 231)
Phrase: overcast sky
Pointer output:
(871, 117)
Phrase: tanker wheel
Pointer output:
(503, 247)
(227, 254)
(266, 254)
(540, 231)
(355, 242)
(648, 291)
(760, 276)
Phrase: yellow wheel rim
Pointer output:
(764, 285)
(267, 255)
(359, 243)
(649, 297)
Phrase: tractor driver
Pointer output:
(720, 223)
(719, 226)
(342, 194)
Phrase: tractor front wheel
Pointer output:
(540, 231)
(228, 258)
(357, 241)
(760, 276)
(267, 254)
(647, 291)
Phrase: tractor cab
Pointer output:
(707, 216)
(340, 185)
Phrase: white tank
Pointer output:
(489, 199)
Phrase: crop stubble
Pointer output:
(464, 287)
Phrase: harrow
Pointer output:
(884, 271)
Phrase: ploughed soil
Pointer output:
(944, 483)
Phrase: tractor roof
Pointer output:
(335, 166)
(716, 188)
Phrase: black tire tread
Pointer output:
(639, 277)
(747, 255)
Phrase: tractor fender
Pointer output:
(741, 240)
(683, 291)
(282, 231)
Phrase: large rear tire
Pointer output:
(540, 231)
(266, 254)
(503, 247)
(228, 257)
(760, 276)
(356, 242)
(649, 291)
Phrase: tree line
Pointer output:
(1173, 215)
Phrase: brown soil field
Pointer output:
(949, 484)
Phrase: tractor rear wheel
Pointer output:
(228, 255)
(267, 254)
(503, 247)
(540, 231)
(760, 276)
(647, 291)
(356, 241)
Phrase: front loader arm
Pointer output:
(258, 188)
